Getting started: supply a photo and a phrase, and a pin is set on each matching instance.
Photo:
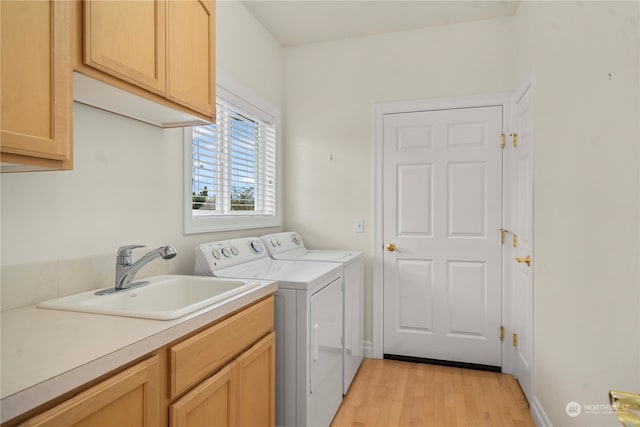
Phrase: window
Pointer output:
(231, 179)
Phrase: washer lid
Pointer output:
(288, 274)
(302, 254)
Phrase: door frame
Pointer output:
(505, 100)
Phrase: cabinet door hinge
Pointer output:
(515, 139)
(502, 140)
(501, 333)
(515, 340)
(515, 240)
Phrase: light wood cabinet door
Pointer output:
(210, 404)
(191, 44)
(36, 99)
(130, 398)
(127, 40)
(256, 384)
(200, 355)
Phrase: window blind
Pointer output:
(234, 164)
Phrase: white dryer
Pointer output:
(289, 246)
(308, 323)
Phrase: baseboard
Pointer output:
(368, 350)
(538, 414)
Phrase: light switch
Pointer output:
(358, 225)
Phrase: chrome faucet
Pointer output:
(125, 269)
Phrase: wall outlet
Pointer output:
(358, 225)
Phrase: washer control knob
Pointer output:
(296, 239)
(274, 242)
(235, 250)
(226, 252)
(279, 242)
(257, 247)
(216, 253)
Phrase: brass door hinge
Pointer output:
(515, 139)
(501, 333)
(503, 232)
(515, 340)
(502, 140)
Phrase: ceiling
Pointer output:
(295, 22)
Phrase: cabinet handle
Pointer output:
(526, 260)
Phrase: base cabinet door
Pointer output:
(130, 398)
(210, 404)
(256, 384)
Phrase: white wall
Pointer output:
(247, 52)
(329, 93)
(586, 200)
(127, 182)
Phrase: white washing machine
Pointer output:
(308, 323)
(289, 246)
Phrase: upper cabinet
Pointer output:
(151, 60)
(127, 40)
(162, 51)
(191, 65)
(36, 119)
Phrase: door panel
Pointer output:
(414, 208)
(442, 209)
(467, 287)
(467, 195)
(415, 283)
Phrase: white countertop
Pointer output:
(46, 353)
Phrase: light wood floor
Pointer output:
(391, 393)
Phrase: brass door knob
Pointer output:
(526, 260)
(391, 247)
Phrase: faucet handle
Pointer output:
(124, 254)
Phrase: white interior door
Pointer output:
(519, 170)
(442, 209)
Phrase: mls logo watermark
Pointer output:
(573, 409)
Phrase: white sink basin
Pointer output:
(166, 297)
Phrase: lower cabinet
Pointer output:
(242, 393)
(130, 398)
(212, 403)
(220, 376)
(257, 384)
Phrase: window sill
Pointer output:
(206, 224)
